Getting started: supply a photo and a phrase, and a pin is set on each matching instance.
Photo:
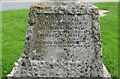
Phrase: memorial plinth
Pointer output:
(63, 39)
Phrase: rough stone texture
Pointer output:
(62, 40)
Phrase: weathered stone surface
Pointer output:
(62, 40)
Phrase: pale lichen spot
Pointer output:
(33, 18)
(97, 10)
(42, 47)
(81, 4)
(45, 6)
(47, 26)
(45, 54)
(92, 39)
(60, 6)
(40, 6)
(35, 9)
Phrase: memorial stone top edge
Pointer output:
(64, 8)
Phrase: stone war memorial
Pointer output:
(63, 39)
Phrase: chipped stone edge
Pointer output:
(64, 8)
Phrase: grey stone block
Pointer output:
(63, 39)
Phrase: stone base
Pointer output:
(16, 70)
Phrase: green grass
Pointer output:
(109, 36)
(0, 43)
(14, 26)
